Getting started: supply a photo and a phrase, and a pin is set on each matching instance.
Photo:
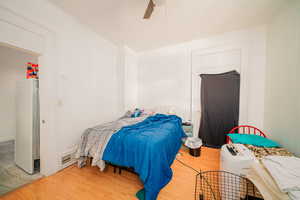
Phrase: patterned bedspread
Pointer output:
(94, 140)
(261, 152)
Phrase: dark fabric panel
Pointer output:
(220, 94)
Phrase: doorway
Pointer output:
(217, 60)
(220, 94)
(19, 115)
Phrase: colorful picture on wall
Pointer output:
(32, 70)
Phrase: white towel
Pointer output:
(264, 182)
(286, 173)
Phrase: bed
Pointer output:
(271, 167)
(259, 152)
(147, 144)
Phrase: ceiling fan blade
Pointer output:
(149, 9)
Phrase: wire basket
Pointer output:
(221, 185)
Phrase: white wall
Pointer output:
(79, 73)
(12, 68)
(164, 80)
(282, 113)
(164, 75)
(130, 79)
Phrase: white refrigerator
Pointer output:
(27, 143)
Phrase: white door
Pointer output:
(210, 61)
(24, 134)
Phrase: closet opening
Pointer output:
(220, 96)
(20, 118)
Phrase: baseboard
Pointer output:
(6, 138)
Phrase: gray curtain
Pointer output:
(219, 106)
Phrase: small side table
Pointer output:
(188, 129)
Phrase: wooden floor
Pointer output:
(89, 183)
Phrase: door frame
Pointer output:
(22, 33)
(244, 86)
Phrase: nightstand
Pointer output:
(188, 129)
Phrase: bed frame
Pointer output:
(116, 167)
(245, 129)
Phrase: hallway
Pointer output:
(11, 176)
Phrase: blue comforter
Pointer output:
(150, 148)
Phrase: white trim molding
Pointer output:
(6, 139)
(25, 34)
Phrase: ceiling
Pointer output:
(176, 21)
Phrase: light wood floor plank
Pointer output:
(89, 183)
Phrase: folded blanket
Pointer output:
(264, 182)
(286, 173)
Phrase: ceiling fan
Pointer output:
(150, 7)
